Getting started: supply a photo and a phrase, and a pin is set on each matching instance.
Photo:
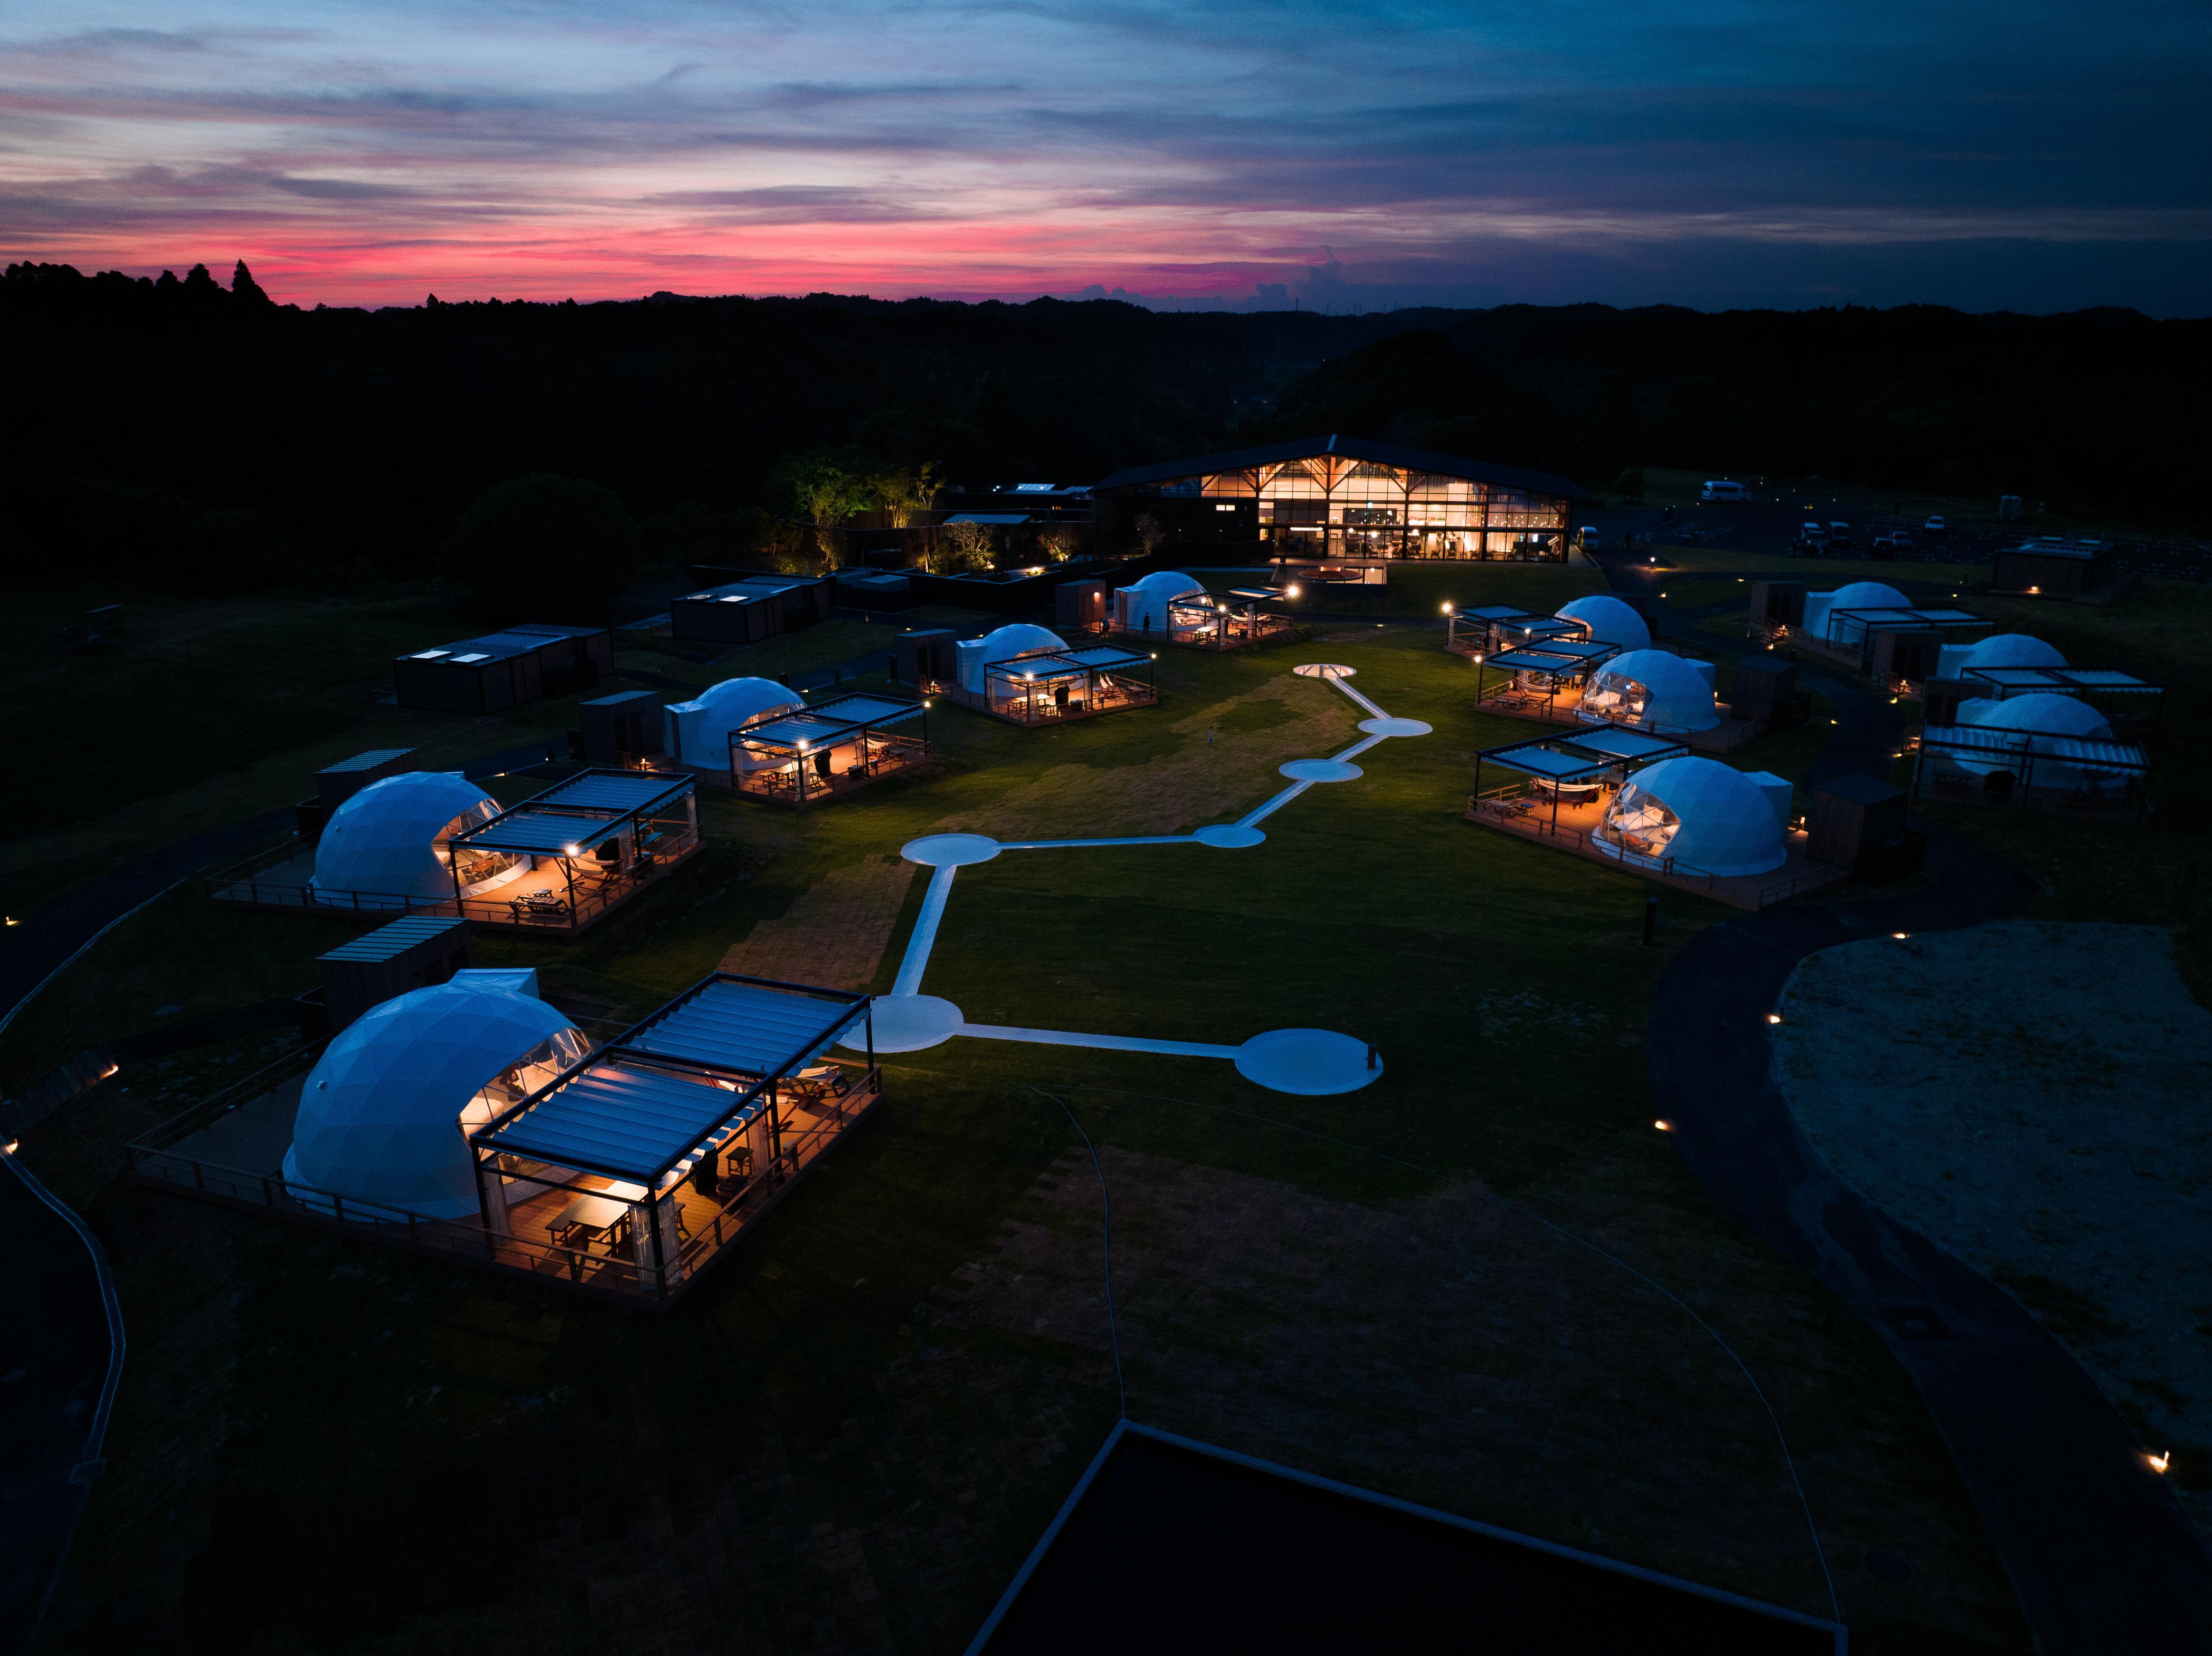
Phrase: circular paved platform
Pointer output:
(1228, 836)
(907, 1023)
(950, 850)
(1387, 726)
(1309, 1062)
(1324, 669)
(1321, 770)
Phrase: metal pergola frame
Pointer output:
(1890, 618)
(832, 732)
(2015, 751)
(1235, 614)
(2082, 682)
(764, 1090)
(599, 823)
(1562, 663)
(1050, 667)
(1596, 760)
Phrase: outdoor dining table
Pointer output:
(597, 1216)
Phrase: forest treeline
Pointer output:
(196, 434)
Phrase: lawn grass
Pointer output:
(1821, 574)
(852, 1433)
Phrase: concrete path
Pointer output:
(2100, 1554)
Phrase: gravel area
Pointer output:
(2034, 1097)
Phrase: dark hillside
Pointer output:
(203, 436)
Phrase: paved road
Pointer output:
(61, 1351)
(2098, 1550)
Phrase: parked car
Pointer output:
(1895, 544)
(1934, 527)
(1723, 491)
(1839, 537)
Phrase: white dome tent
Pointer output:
(2048, 722)
(1827, 616)
(1608, 620)
(698, 731)
(389, 838)
(1650, 688)
(977, 656)
(1700, 814)
(1998, 650)
(383, 1117)
(1143, 606)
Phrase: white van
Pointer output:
(1717, 491)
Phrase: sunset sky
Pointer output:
(2026, 156)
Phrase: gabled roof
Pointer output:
(1350, 448)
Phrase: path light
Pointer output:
(1774, 1018)
(1664, 1126)
(1900, 936)
(10, 1148)
(12, 920)
(2158, 1462)
(1291, 591)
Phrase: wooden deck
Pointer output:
(1725, 738)
(1574, 831)
(279, 885)
(1046, 713)
(235, 1158)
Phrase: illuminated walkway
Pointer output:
(1306, 1061)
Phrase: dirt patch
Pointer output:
(1450, 1351)
(2031, 1097)
(1193, 781)
(835, 933)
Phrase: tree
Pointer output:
(1059, 543)
(245, 289)
(541, 548)
(1151, 532)
(823, 492)
(958, 546)
(901, 493)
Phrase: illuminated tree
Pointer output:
(901, 493)
(1151, 532)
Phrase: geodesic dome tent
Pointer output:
(384, 1115)
(1700, 813)
(1143, 606)
(2049, 724)
(1609, 621)
(1999, 650)
(389, 838)
(698, 731)
(976, 655)
(1650, 688)
(1826, 614)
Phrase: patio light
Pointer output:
(1446, 608)
(1900, 936)
(2158, 1462)
(10, 1149)
(571, 851)
(1664, 1126)
(1774, 1018)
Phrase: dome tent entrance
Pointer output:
(1144, 608)
(393, 839)
(1700, 814)
(1651, 689)
(382, 1117)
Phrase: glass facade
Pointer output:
(1330, 505)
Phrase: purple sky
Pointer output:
(2024, 156)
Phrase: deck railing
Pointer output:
(241, 885)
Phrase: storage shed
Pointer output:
(2052, 568)
(614, 730)
(1701, 814)
(505, 668)
(390, 839)
(747, 611)
(1651, 689)
(384, 1114)
(418, 952)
